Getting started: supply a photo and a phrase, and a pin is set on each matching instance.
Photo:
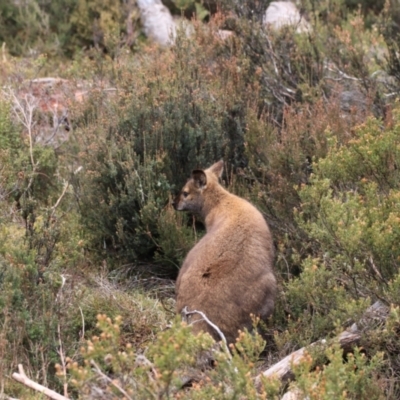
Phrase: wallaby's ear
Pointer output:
(217, 168)
(200, 178)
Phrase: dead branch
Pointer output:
(66, 186)
(109, 380)
(185, 313)
(24, 114)
(142, 361)
(63, 361)
(21, 377)
(283, 370)
(49, 81)
(83, 324)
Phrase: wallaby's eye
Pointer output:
(185, 194)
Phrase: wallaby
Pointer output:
(228, 275)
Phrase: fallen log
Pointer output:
(348, 339)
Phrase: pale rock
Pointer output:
(283, 13)
(158, 24)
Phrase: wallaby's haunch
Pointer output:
(228, 274)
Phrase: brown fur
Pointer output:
(228, 274)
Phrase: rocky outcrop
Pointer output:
(285, 13)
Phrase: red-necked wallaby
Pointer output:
(228, 274)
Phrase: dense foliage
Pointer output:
(308, 126)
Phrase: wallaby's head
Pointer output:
(192, 196)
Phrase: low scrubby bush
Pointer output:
(164, 125)
(166, 366)
(260, 100)
(291, 117)
(349, 211)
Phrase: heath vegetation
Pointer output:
(308, 126)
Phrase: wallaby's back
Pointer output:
(228, 275)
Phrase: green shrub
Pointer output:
(349, 211)
(164, 125)
(353, 378)
(351, 207)
(161, 370)
(205, 100)
(63, 28)
(34, 220)
(270, 104)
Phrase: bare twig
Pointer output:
(334, 68)
(57, 122)
(194, 228)
(143, 361)
(185, 312)
(66, 186)
(21, 377)
(60, 351)
(63, 362)
(141, 191)
(375, 269)
(4, 52)
(83, 324)
(109, 380)
(24, 114)
(48, 81)
(273, 55)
